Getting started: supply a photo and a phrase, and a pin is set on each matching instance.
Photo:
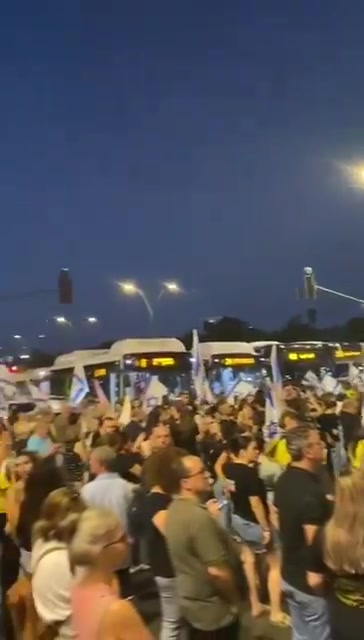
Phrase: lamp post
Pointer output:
(131, 289)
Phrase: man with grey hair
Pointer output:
(303, 507)
(109, 491)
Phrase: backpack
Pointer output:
(26, 623)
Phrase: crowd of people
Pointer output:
(219, 514)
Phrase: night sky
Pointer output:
(197, 141)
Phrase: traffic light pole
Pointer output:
(338, 293)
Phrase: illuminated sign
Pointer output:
(299, 356)
(340, 354)
(237, 361)
(161, 361)
(99, 373)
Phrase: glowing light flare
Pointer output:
(353, 174)
(172, 287)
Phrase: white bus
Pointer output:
(228, 363)
(127, 367)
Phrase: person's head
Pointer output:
(289, 419)
(24, 464)
(344, 533)
(290, 391)
(108, 424)
(244, 448)
(100, 542)
(305, 446)
(102, 460)
(329, 402)
(41, 426)
(116, 440)
(191, 477)
(224, 408)
(158, 469)
(44, 478)
(160, 436)
(59, 515)
(246, 413)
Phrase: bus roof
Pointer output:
(69, 360)
(146, 345)
(117, 351)
(210, 349)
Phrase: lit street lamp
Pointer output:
(61, 320)
(172, 287)
(92, 320)
(17, 337)
(131, 289)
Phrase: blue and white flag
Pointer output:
(201, 384)
(241, 389)
(154, 394)
(311, 379)
(79, 386)
(329, 384)
(271, 429)
(276, 388)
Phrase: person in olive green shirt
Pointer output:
(205, 558)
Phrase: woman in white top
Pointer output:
(50, 565)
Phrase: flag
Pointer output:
(201, 384)
(154, 394)
(271, 429)
(241, 389)
(125, 414)
(79, 386)
(329, 384)
(276, 388)
(310, 378)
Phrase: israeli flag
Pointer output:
(271, 429)
(154, 394)
(329, 384)
(202, 387)
(241, 389)
(79, 386)
(310, 379)
(276, 388)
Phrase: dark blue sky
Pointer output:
(190, 140)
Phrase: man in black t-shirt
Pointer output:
(302, 508)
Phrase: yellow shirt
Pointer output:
(278, 452)
(4, 486)
(356, 454)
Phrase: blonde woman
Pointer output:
(100, 546)
(50, 567)
(336, 561)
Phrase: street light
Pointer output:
(172, 287)
(17, 337)
(92, 320)
(131, 289)
(61, 320)
(353, 173)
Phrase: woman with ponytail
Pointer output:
(50, 566)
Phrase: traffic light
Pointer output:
(65, 287)
(309, 284)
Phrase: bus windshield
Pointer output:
(225, 371)
(171, 369)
